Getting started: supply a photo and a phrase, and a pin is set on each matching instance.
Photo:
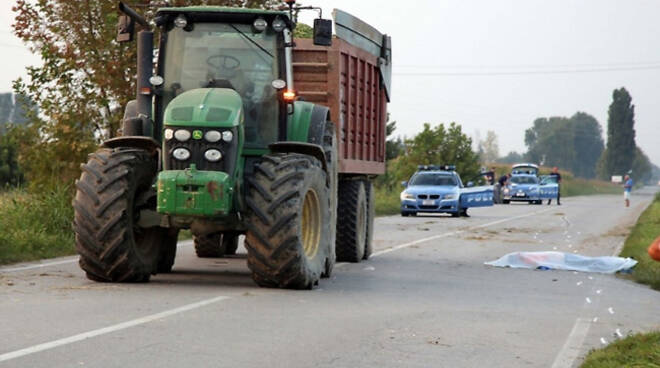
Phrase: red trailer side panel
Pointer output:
(346, 79)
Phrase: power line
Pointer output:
(530, 66)
(526, 72)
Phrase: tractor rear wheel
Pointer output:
(115, 185)
(209, 245)
(168, 251)
(289, 235)
(330, 151)
(352, 228)
(230, 243)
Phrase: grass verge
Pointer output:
(640, 350)
(636, 246)
(387, 202)
(35, 226)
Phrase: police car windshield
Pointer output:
(524, 180)
(433, 179)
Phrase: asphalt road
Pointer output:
(424, 300)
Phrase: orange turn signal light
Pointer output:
(289, 96)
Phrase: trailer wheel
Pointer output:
(114, 187)
(168, 251)
(352, 229)
(289, 235)
(209, 245)
(371, 214)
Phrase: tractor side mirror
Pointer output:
(125, 29)
(322, 32)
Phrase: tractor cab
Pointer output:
(227, 48)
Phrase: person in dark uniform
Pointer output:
(490, 176)
(557, 175)
(497, 189)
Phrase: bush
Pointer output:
(35, 226)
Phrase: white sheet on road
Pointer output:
(564, 261)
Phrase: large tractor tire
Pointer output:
(371, 215)
(230, 243)
(331, 158)
(289, 235)
(209, 245)
(215, 245)
(168, 251)
(115, 185)
(353, 226)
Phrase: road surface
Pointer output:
(424, 300)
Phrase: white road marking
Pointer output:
(618, 333)
(603, 341)
(69, 260)
(588, 300)
(611, 310)
(570, 352)
(451, 233)
(106, 330)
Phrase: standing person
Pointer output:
(491, 176)
(627, 187)
(557, 175)
(497, 189)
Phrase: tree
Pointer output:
(10, 173)
(620, 151)
(574, 143)
(84, 82)
(437, 146)
(394, 147)
(489, 149)
(511, 158)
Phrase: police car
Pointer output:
(439, 189)
(525, 186)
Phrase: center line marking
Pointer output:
(106, 330)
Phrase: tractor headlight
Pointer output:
(260, 25)
(212, 136)
(213, 155)
(227, 136)
(405, 196)
(169, 134)
(278, 24)
(181, 21)
(182, 135)
(181, 154)
(449, 196)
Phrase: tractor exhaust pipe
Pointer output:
(145, 69)
(142, 123)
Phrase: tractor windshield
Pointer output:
(228, 56)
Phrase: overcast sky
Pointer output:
(496, 65)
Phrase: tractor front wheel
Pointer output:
(289, 235)
(115, 186)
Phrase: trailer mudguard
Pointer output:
(548, 191)
(476, 197)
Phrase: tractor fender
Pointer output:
(307, 124)
(309, 149)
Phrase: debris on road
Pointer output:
(564, 261)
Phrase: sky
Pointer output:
(494, 65)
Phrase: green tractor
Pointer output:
(215, 142)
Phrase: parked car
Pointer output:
(439, 189)
(522, 188)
